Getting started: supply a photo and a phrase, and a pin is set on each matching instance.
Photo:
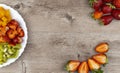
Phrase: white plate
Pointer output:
(15, 15)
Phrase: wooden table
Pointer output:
(60, 30)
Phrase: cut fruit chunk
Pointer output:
(100, 58)
(72, 65)
(102, 48)
(83, 68)
(93, 65)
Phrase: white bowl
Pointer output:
(15, 15)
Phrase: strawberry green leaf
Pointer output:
(97, 71)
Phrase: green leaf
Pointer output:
(97, 71)
(91, 2)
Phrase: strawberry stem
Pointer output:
(97, 71)
(112, 6)
(91, 2)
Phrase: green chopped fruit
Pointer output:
(10, 51)
(1, 62)
(17, 46)
(15, 54)
(7, 52)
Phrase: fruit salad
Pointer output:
(11, 34)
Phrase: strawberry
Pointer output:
(11, 33)
(100, 58)
(96, 4)
(7, 39)
(93, 65)
(17, 40)
(13, 24)
(107, 8)
(20, 32)
(107, 19)
(72, 65)
(107, 1)
(83, 68)
(116, 14)
(102, 47)
(97, 14)
(116, 3)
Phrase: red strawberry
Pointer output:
(107, 0)
(107, 8)
(97, 14)
(116, 14)
(116, 3)
(96, 4)
(105, 20)
(17, 40)
(72, 65)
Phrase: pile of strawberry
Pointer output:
(105, 10)
(92, 65)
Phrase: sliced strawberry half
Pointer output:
(93, 65)
(102, 47)
(83, 68)
(100, 58)
(72, 65)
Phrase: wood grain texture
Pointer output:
(60, 30)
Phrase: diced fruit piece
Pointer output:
(116, 14)
(2, 30)
(107, 8)
(13, 24)
(102, 47)
(17, 40)
(11, 33)
(96, 4)
(108, 1)
(97, 14)
(2, 40)
(20, 32)
(100, 58)
(93, 65)
(6, 38)
(105, 20)
(12, 43)
(72, 65)
(116, 3)
(83, 68)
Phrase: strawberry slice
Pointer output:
(93, 65)
(100, 58)
(20, 32)
(13, 24)
(83, 68)
(72, 65)
(102, 48)
(11, 33)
